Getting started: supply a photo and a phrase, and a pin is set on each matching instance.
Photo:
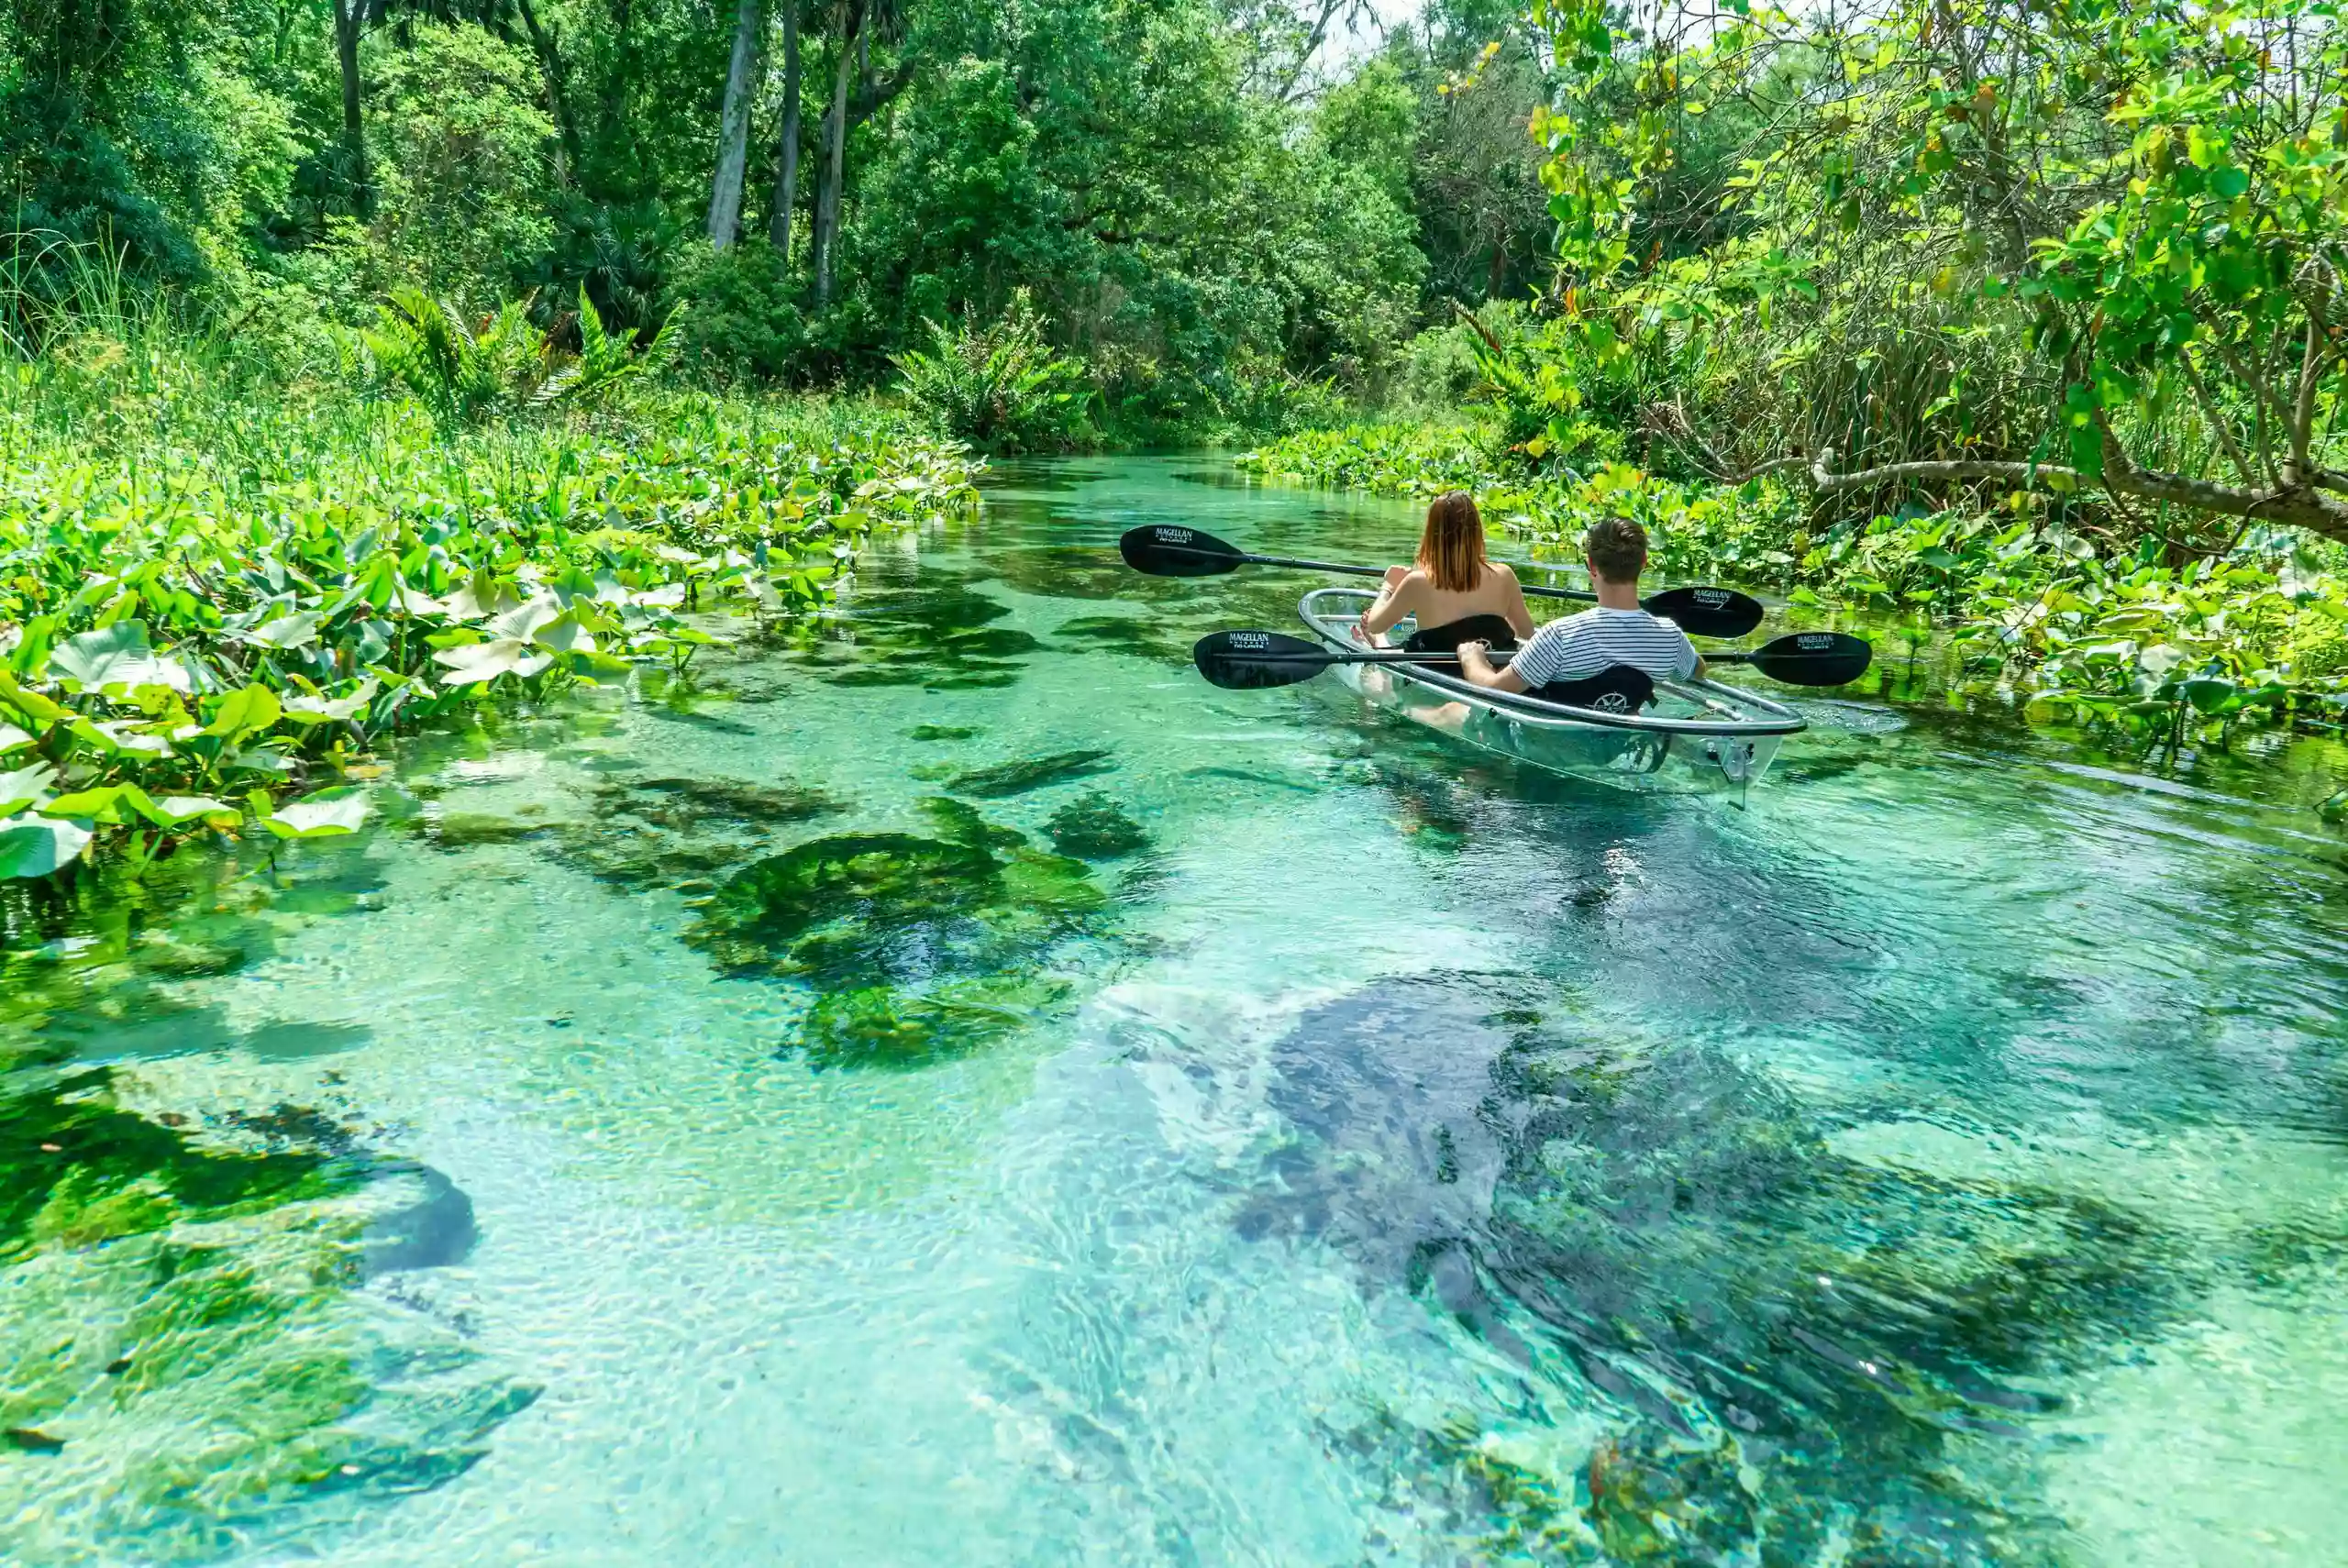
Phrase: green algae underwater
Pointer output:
(941, 1084)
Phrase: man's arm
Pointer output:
(1478, 670)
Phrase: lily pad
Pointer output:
(1037, 773)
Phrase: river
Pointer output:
(949, 1086)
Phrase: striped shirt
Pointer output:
(1580, 645)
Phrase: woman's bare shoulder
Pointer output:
(1505, 573)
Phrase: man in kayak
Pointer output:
(1577, 660)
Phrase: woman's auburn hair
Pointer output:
(1451, 549)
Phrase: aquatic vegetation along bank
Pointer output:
(189, 640)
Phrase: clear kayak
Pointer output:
(1699, 736)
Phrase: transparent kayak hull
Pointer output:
(1697, 738)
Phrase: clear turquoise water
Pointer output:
(1399, 1157)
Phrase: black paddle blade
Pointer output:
(1813, 659)
(1706, 612)
(1251, 661)
(1167, 549)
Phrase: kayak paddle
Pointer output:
(1246, 661)
(1165, 550)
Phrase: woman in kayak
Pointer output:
(1454, 592)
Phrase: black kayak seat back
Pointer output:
(1617, 688)
(1492, 629)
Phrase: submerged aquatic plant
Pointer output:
(1032, 773)
(913, 949)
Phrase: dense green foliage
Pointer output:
(1205, 230)
(215, 590)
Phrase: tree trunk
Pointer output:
(734, 127)
(828, 192)
(348, 15)
(786, 152)
(549, 53)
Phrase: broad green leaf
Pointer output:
(248, 712)
(109, 804)
(481, 598)
(11, 737)
(178, 811)
(25, 787)
(329, 710)
(477, 662)
(523, 622)
(40, 710)
(298, 630)
(564, 635)
(35, 846)
(329, 813)
(119, 739)
(2208, 695)
(116, 655)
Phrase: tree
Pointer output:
(786, 152)
(2150, 199)
(734, 124)
(350, 19)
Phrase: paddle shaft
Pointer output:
(1497, 660)
(1291, 561)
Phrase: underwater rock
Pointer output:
(1801, 1348)
(1037, 773)
(1094, 827)
(434, 1232)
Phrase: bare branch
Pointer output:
(2217, 419)
(2295, 506)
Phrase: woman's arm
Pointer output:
(1394, 602)
(1520, 619)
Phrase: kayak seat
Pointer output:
(1492, 629)
(1617, 688)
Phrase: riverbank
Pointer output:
(2049, 621)
(225, 578)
